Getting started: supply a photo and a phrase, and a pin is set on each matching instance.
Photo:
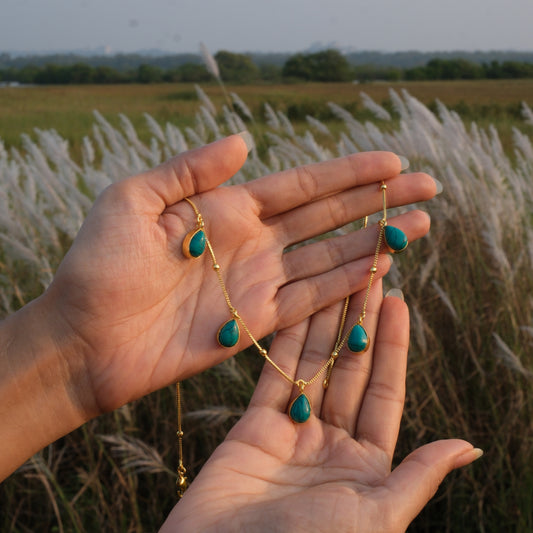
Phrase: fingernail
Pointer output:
(404, 161)
(439, 185)
(396, 293)
(477, 453)
(468, 457)
(246, 136)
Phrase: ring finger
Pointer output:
(350, 375)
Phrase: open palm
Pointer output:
(333, 472)
(142, 312)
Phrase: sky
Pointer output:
(178, 26)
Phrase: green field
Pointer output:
(68, 109)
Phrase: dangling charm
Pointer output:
(228, 334)
(181, 482)
(395, 239)
(194, 243)
(358, 341)
(300, 409)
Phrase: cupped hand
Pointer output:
(143, 315)
(333, 472)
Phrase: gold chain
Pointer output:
(181, 482)
(301, 384)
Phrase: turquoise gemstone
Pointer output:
(228, 334)
(300, 409)
(197, 244)
(395, 239)
(358, 340)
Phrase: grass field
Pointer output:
(468, 286)
(68, 109)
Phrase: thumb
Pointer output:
(189, 173)
(416, 480)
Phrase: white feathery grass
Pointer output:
(206, 101)
(232, 120)
(509, 358)
(136, 456)
(527, 113)
(418, 327)
(445, 299)
(215, 415)
(240, 104)
(154, 127)
(427, 269)
(194, 137)
(239, 124)
(318, 125)
(209, 61)
(379, 111)
(286, 124)
(272, 119)
(210, 123)
(87, 151)
(175, 140)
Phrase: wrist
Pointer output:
(44, 387)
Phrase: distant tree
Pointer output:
(415, 74)
(453, 69)
(79, 73)
(371, 72)
(149, 74)
(106, 75)
(192, 72)
(328, 65)
(298, 66)
(515, 69)
(52, 75)
(236, 67)
(25, 74)
(446, 69)
(270, 72)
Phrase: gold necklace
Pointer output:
(355, 338)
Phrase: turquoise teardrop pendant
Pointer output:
(358, 340)
(395, 239)
(194, 243)
(228, 334)
(300, 409)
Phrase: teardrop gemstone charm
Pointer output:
(300, 409)
(395, 239)
(194, 243)
(228, 334)
(358, 340)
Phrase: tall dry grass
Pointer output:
(468, 284)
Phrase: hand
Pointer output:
(144, 315)
(333, 472)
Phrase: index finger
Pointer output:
(291, 188)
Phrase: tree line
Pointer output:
(323, 66)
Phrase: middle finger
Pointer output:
(340, 209)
